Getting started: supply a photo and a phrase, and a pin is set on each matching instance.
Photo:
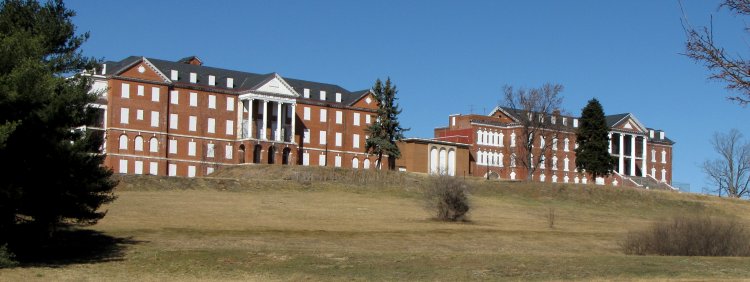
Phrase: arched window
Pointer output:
(566, 163)
(566, 145)
(153, 145)
(663, 156)
(479, 137)
(501, 160)
(513, 139)
(138, 143)
(443, 161)
(663, 175)
(123, 142)
(433, 160)
(452, 162)
(355, 162)
(542, 177)
(500, 139)
(554, 162)
(366, 164)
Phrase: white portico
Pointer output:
(268, 112)
(628, 143)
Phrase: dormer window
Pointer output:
(661, 135)
(174, 75)
(651, 133)
(230, 82)
(322, 95)
(565, 121)
(211, 80)
(338, 97)
(307, 93)
(193, 77)
(575, 122)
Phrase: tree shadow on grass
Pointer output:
(72, 246)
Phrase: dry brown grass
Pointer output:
(265, 229)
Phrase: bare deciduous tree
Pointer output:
(538, 112)
(733, 70)
(731, 171)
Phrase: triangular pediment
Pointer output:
(143, 69)
(276, 85)
(630, 123)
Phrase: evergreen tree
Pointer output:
(52, 171)
(593, 141)
(386, 130)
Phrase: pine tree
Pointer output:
(386, 130)
(52, 171)
(593, 141)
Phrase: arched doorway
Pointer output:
(256, 153)
(285, 156)
(242, 154)
(271, 155)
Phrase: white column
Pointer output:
(278, 121)
(632, 155)
(644, 166)
(294, 119)
(609, 148)
(263, 135)
(621, 169)
(250, 120)
(239, 108)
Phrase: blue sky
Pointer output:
(453, 56)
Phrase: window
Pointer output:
(513, 139)
(306, 136)
(367, 119)
(663, 156)
(355, 163)
(230, 127)
(155, 94)
(366, 164)
(322, 137)
(653, 155)
(172, 169)
(554, 143)
(322, 160)
(209, 170)
(191, 148)
(230, 82)
(306, 113)
(339, 117)
(306, 159)
(322, 95)
(123, 166)
(210, 150)
(338, 97)
(173, 146)
(191, 171)
(355, 141)
(141, 90)
(566, 146)
(193, 99)
(323, 115)
(139, 114)
(125, 93)
(153, 145)
(211, 80)
(306, 93)
(173, 75)
(337, 161)
(153, 168)
(565, 121)
(154, 119)
(228, 152)
(356, 119)
(173, 121)
(230, 104)
(138, 167)
(566, 164)
(192, 123)
(138, 143)
(124, 113)
(338, 139)
(211, 125)
(123, 142)
(193, 77)
(575, 124)
(212, 101)
(174, 97)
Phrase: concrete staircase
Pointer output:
(650, 183)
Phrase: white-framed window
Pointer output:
(191, 171)
(191, 148)
(230, 127)
(337, 161)
(368, 119)
(566, 164)
(155, 93)
(124, 115)
(323, 115)
(153, 145)
(338, 139)
(322, 137)
(356, 119)
(663, 156)
(173, 121)
(139, 114)
(141, 90)
(193, 123)
(211, 125)
(172, 169)
(210, 150)
(138, 143)
(153, 168)
(228, 152)
(230, 82)
(174, 75)
(653, 155)
(322, 160)
(339, 117)
(355, 163)
(212, 101)
(193, 99)
(174, 97)
(138, 167)
(322, 95)
(566, 146)
(125, 91)
(306, 136)
(209, 170)
(355, 141)
(193, 77)
(338, 97)
(123, 166)
(211, 80)
(306, 159)
(173, 146)
(230, 104)
(123, 142)
(306, 93)
(306, 113)
(154, 119)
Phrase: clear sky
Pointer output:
(450, 57)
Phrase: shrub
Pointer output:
(447, 198)
(690, 236)
(6, 257)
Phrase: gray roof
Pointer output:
(613, 119)
(243, 81)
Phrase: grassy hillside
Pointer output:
(295, 223)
